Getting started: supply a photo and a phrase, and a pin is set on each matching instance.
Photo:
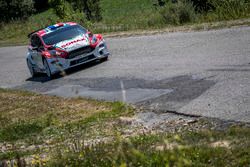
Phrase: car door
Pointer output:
(37, 48)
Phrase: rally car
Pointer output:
(61, 46)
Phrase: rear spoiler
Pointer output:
(52, 27)
(29, 35)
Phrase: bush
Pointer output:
(15, 9)
(61, 8)
(90, 8)
(202, 6)
(178, 13)
(230, 9)
(41, 5)
(66, 12)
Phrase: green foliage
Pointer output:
(119, 153)
(66, 12)
(178, 13)
(13, 155)
(160, 150)
(230, 9)
(159, 2)
(125, 15)
(41, 5)
(62, 8)
(23, 129)
(202, 6)
(15, 9)
(92, 9)
(65, 9)
(19, 131)
(128, 15)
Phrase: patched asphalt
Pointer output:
(190, 73)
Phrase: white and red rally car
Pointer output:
(62, 46)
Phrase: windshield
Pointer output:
(63, 34)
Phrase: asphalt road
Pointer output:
(193, 73)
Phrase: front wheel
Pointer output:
(47, 68)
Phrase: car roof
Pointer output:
(43, 31)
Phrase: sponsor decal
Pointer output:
(72, 42)
(75, 43)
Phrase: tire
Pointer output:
(47, 68)
(31, 69)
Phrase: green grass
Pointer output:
(16, 32)
(129, 15)
(165, 150)
(228, 10)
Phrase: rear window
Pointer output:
(63, 34)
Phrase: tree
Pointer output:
(91, 8)
(15, 9)
(41, 5)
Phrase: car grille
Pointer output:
(81, 60)
(80, 51)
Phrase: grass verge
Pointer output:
(28, 120)
(134, 16)
(182, 28)
(203, 148)
(23, 40)
(52, 131)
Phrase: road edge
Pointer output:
(185, 28)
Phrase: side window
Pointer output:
(32, 41)
(36, 42)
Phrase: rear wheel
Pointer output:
(31, 69)
(47, 69)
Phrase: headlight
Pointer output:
(94, 39)
(58, 54)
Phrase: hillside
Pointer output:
(126, 15)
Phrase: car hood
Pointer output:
(74, 43)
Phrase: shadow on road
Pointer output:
(43, 77)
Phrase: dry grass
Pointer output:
(23, 106)
(56, 131)
(31, 122)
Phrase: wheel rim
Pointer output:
(30, 68)
(47, 68)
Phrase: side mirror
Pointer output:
(90, 34)
(51, 48)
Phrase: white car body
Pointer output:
(79, 50)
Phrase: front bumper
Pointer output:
(61, 64)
